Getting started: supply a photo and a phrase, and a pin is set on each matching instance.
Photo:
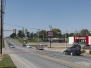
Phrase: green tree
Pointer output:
(65, 35)
(57, 33)
(13, 35)
(71, 34)
(35, 35)
(42, 34)
(84, 32)
(20, 34)
(32, 35)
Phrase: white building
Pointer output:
(80, 39)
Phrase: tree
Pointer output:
(35, 35)
(32, 35)
(84, 32)
(42, 34)
(13, 35)
(71, 34)
(20, 34)
(57, 33)
(65, 35)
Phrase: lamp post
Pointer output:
(66, 40)
(38, 36)
(50, 26)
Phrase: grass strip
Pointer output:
(6, 62)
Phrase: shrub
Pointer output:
(90, 52)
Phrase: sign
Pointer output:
(80, 37)
(49, 33)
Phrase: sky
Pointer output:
(70, 15)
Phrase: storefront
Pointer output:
(80, 39)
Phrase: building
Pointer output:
(80, 39)
(57, 40)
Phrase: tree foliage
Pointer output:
(56, 32)
(13, 35)
(20, 34)
(42, 34)
(84, 32)
(32, 35)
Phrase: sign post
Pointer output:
(50, 34)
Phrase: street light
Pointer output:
(66, 39)
(38, 35)
(50, 26)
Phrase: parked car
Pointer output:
(29, 46)
(86, 47)
(74, 50)
(40, 47)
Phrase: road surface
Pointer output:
(31, 58)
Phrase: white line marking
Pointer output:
(76, 57)
(84, 63)
(29, 63)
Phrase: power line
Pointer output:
(23, 26)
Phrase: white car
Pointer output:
(11, 46)
(29, 46)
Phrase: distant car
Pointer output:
(12, 46)
(74, 50)
(86, 47)
(24, 45)
(29, 46)
(40, 47)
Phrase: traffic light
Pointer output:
(14, 31)
(26, 31)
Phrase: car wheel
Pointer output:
(71, 53)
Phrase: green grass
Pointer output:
(21, 40)
(90, 52)
(6, 62)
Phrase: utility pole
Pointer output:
(66, 39)
(2, 15)
(38, 36)
(50, 36)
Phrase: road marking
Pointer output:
(75, 57)
(29, 63)
(84, 63)
(61, 61)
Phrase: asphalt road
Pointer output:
(31, 58)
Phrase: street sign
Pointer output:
(49, 33)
